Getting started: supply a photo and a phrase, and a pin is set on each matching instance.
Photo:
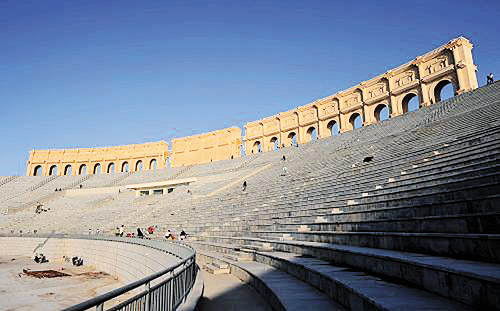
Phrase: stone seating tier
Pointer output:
(419, 221)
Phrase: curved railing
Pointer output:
(163, 290)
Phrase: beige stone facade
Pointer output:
(103, 160)
(423, 77)
(208, 147)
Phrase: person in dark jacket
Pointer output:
(139, 233)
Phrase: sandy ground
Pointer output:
(20, 292)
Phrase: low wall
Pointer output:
(89, 191)
(124, 259)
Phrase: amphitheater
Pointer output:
(399, 214)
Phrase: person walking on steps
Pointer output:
(490, 78)
(244, 185)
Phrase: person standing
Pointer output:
(182, 235)
(490, 78)
(139, 233)
(122, 229)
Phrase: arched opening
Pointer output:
(333, 128)
(124, 167)
(53, 170)
(443, 90)
(355, 121)
(152, 165)
(410, 103)
(111, 168)
(381, 113)
(274, 144)
(82, 170)
(311, 134)
(97, 168)
(38, 171)
(68, 170)
(138, 166)
(257, 147)
(291, 139)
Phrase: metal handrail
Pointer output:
(167, 295)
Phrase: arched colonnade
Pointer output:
(441, 73)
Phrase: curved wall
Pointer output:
(127, 261)
(147, 156)
(204, 148)
(422, 77)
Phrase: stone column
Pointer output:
(464, 65)
(424, 88)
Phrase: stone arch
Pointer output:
(311, 134)
(124, 167)
(138, 166)
(152, 164)
(410, 102)
(68, 170)
(38, 171)
(333, 128)
(291, 139)
(97, 169)
(355, 120)
(439, 87)
(53, 170)
(274, 143)
(381, 112)
(111, 168)
(82, 170)
(256, 147)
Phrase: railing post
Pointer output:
(148, 296)
(100, 307)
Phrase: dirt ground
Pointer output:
(24, 291)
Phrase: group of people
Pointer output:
(40, 258)
(97, 231)
(147, 233)
(76, 261)
(39, 208)
(119, 231)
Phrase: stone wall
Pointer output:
(129, 262)
(98, 160)
(424, 77)
(208, 147)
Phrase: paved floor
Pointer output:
(225, 292)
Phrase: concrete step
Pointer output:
(239, 256)
(485, 247)
(356, 290)
(214, 269)
(470, 282)
(281, 290)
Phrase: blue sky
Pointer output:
(102, 73)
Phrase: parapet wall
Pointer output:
(214, 146)
(129, 262)
(103, 160)
(424, 77)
